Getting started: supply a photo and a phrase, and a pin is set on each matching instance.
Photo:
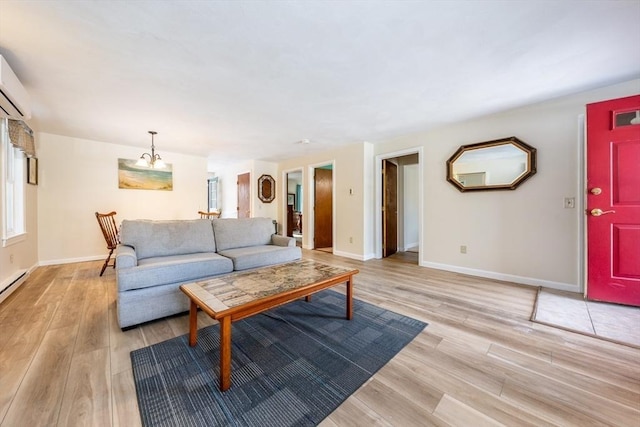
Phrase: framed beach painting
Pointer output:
(134, 177)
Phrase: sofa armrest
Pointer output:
(125, 257)
(279, 240)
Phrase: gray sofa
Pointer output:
(156, 257)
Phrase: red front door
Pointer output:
(613, 201)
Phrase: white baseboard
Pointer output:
(71, 260)
(367, 257)
(530, 281)
(358, 257)
(410, 245)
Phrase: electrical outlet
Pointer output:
(11, 259)
(350, 239)
(569, 202)
(463, 249)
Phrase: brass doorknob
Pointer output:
(598, 212)
(596, 191)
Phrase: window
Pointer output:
(213, 194)
(13, 203)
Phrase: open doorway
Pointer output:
(398, 202)
(294, 203)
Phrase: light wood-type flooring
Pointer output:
(65, 362)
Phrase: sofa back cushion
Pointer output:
(242, 232)
(162, 238)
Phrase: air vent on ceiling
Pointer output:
(14, 99)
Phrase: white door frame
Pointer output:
(285, 192)
(378, 197)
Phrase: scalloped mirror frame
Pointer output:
(266, 189)
(530, 169)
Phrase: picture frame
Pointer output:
(32, 170)
(133, 177)
(291, 199)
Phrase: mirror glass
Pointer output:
(493, 165)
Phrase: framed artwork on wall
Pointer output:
(291, 199)
(32, 170)
(134, 177)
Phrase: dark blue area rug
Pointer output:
(291, 366)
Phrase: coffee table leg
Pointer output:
(193, 324)
(225, 353)
(350, 298)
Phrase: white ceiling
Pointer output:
(237, 80)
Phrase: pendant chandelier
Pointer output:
(152, 160)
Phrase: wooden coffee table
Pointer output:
(238, 295)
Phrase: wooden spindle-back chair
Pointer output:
(110, 232)
(209, 215)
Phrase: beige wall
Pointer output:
(524, 235)
(79, 177)
(409, 209)
(351, 232)
(228, 178)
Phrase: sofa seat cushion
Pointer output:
(259, 256)
(161, 238)
(172, 269)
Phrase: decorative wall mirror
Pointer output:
(502, 164)
(266, 189)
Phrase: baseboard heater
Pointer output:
(12, 284)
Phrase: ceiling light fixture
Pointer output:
(154, 161)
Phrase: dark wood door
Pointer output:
(244, 195)
(613, 201)
(323, 208)
(389, 208)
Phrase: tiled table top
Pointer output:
(224, 292)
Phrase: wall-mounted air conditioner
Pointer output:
(14, 99)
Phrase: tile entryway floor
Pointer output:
(569, 310)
